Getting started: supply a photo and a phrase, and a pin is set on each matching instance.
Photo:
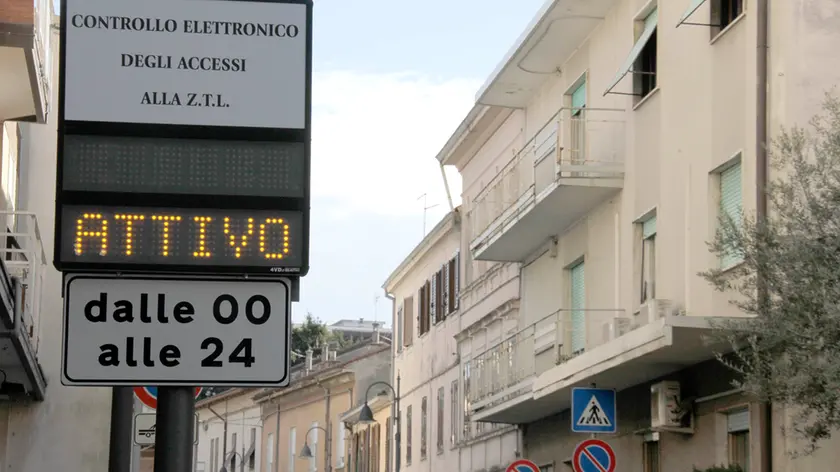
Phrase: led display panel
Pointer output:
(183, 166)
(263, 240)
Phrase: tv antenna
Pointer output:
(426, 208)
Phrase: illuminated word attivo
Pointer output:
(182, 236)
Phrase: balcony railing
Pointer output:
(577, 143)
(506, 370)
(25, 259)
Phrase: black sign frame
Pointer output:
(176, 201)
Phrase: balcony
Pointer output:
(531, 374)
(21, 278)
(25, 59)
(571, 165)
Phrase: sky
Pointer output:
(392, 81)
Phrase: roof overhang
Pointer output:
(475, 129)
(554, 34)
(376, 404)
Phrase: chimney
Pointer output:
(325, 353)
(308, 366)
(375, 332)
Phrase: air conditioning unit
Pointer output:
(655, 309)
(666, 409)
(616, 327)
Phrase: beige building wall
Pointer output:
(427, 362)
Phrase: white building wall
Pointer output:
(69, 430)
(242, 416)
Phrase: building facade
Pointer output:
(37, 413)
(429, 314)
(310, 411)
(229, 432)
(596, 164)
(371, 443)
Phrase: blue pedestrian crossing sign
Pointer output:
(593, 410)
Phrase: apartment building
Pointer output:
(371, 443)
(37, 414)
(429, 313)
(309, 412)
(596, 162)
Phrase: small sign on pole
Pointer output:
(145, 427)
(593, 455)
(594, 410)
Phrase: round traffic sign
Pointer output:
(148, 395)
(522, 465)
(593, 455)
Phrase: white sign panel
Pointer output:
(166, 331)
(187, 62)
(145, 427)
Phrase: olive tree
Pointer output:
(788, 353)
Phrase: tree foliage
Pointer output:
(311, 333)
(789, 353)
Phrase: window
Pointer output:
(408, 435)
(374, 448)
(440, 407)
(578, 297)
(252, 450)
(467, 432)
(313, 446)
(424, 415)
(441, 295)
(408, 321)
(650, 455)
(577, 125)
(453, 418)
(731, 207)
(388, 435)
(723, 13)
(269, 453)
(738, 430)
(292, 445)
(453, 283)
(232, 450)
(339, 444)
(424, 302)
(644, 69)
(213, 454)
(399, 323)
(641, 61)
(648, 285)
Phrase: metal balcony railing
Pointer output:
(24, 257)
(575, 143)
(502, 372)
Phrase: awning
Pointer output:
(650, 27)
(692, 7)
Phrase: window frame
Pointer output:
(424, 428)
(723, 14)
(408, 437)
(727, 261)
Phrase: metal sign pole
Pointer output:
(175, 429)
(122, 412)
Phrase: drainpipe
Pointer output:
(276, 438)
(224, 434)
(446, 186)
(762, 73)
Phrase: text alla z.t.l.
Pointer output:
(184, 99)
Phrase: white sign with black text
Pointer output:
(187, 62)
(145, 428)
(164, 331)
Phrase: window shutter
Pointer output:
(433, 299)
(445, 298)
(730, 205)
(649, 227)
(457, 279)
(738, 421)
(578, 304)
(421, 300)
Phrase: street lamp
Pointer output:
(306, 451)
(366, 417)
(227, 458)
